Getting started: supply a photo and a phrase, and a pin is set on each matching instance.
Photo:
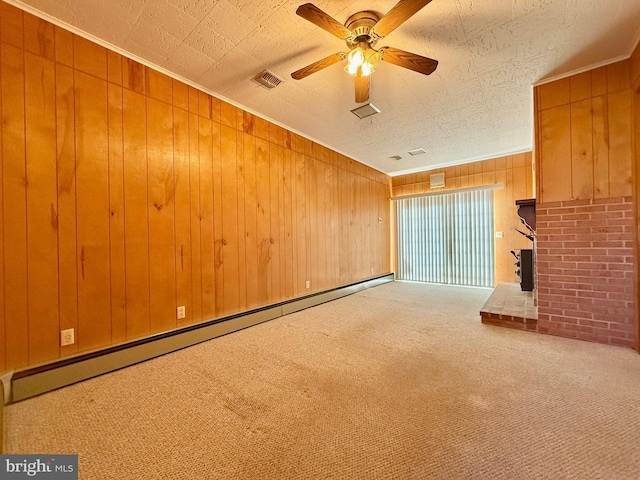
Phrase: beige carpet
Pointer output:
(400, 381)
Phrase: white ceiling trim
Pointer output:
(582, 70)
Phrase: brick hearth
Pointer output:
(508, 306)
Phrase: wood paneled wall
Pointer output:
(515, 172)
(635, 85)
(583, 135)
(125, 193)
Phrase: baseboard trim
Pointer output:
(34, 381)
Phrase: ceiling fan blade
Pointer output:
(414, 62)
(400, 13)
(363, 84)
(317, 66)
(316, 16)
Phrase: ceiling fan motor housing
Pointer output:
(360, 24)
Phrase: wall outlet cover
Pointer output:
(67, 337)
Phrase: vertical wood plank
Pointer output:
(242, 240)
(311, 175)
(206, 219)
(288, 206)
(89, 57)
(161, 198)
(63, 40)
(215, 108)
(66, 184)
(159, 86)
(266, 243)
(300, 225)
(599, 81)
(346, 191)
(385, 213)
(334, 217)
(555, 93)
(252, 242)
(136, 213)
(14, 215)
(114, 67)
(555, 153)
(228, 114)
(618, 76)
(193, 100)
(620, 151)
(321, 225)
(38, 36)
(580, 86)
(204, 105)
(217, 214)
(276, 223)
(133, 76)
(42, 208)
(117, 217)
(182, 213)
(600, 141)
(230, 249)
(92, 195)
(11, 25)
(180, 95)
(581, 149)
(501, 246)
(194, 195)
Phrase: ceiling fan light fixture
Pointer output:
(367, 60)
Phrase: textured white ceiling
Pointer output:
(477, 104)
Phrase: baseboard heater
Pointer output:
(33, 381)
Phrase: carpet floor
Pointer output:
(400, 381)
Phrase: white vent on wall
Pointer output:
(437, 180)
(267, 79)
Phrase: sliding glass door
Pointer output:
(447, 238)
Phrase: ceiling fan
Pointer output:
(362, 31)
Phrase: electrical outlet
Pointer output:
(181, 312)
(498, 234)
(67, 337)
(308, 284)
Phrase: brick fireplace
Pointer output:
(585, 270)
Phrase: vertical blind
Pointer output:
(447, 238)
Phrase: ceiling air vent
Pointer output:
(267, 79)
(365, 110)
(417, 151)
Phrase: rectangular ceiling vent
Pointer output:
(267, 79)
(365, 110)
(417, 151)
